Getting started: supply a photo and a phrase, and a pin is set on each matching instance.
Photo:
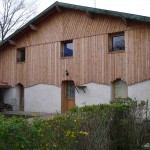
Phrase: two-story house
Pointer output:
(72, 54)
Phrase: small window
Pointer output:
(120, 89)
(116, 42)
(67, 49)
(21, 55)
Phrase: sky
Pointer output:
(140, 7)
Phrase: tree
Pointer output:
(14, 14)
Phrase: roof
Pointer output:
(51, 9)
(4, 85)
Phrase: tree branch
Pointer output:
(14, 14)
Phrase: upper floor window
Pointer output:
(117, 42)
(21, 55)
(67, 48)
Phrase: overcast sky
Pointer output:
(140, 7)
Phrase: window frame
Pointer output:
(114, 87)
(63, 43)
(110, 44)
(19, 53)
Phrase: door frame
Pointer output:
(64, 99)
(21, 96)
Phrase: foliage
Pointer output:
(101, 107)
(124, 123)
(59, 131)
(117, 126)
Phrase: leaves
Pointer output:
(119, 125)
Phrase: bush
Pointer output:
(58, 131)
(117, 126)
(121, 124)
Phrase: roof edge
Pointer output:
(75, 7)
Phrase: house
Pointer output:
(72, 54)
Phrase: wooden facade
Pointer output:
(91, 61)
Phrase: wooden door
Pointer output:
(68, 95)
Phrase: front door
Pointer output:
(68, 95)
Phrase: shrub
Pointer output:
(58, 131)
(120, 125)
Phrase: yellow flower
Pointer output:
(54, 145)
(42, 135)
(51, 118)
(35, 115)
(46, 123)
(84, 133)
(70, 134)
(46, 145)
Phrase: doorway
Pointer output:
(21, 96)
(67, 95)
(1, 96)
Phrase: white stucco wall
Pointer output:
(47, 98)
(42, 98)
(140, 91)
(94, 94)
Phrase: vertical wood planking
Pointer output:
(91, 61)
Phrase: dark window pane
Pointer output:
(21, 55)
(118, 43)
(68, 49)
(70, 90)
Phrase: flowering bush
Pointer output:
(58, 131)
(108, 126)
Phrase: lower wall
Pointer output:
(140, 91)
(42, 98)
(47, 98)
(94, 94)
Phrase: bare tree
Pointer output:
(14, 14)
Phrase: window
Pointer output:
(67, 49)
(116, 42)
(70, 89)
(120, 89)
(21, 55)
